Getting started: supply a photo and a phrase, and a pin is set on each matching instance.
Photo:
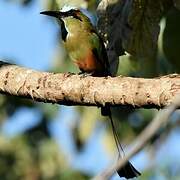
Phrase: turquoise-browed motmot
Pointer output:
(87, 51)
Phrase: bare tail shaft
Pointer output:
(128, 170)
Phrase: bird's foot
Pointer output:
(68, 74)
(84, 74)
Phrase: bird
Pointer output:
(86, 49)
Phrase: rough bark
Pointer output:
(71, 89)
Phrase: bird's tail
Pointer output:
(128, 170)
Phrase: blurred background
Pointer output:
(52, 142)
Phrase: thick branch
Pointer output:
(71, 89)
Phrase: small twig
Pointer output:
(158, 122)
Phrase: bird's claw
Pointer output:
(84, 74)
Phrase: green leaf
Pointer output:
(132, 26)
(143, 21)
(171, 38)
(177, 4)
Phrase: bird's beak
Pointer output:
(57, 14)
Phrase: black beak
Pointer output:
(57, 14)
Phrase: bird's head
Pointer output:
(71, 19)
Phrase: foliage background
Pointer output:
(45, 141)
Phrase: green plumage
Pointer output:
(83, 39)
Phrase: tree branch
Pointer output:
(158, 122)
(71, 89)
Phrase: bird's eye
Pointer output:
(75, 14)
(77, 17)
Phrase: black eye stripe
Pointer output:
(73, 13)
(77, 17)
